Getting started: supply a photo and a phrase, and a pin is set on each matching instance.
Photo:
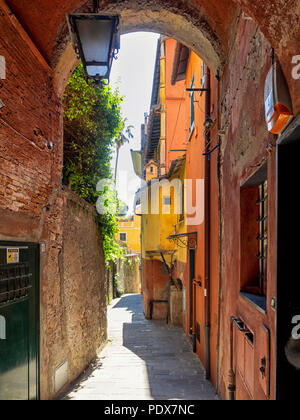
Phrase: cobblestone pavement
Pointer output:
(143, 360)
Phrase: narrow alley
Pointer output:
(143, 360)
(149, 153)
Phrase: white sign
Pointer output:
(2, 328)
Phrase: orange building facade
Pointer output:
(177, 140)
(182, 251)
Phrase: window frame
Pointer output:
(254, 206)
(167, 200)
(123, 233)
(192, 105)
(263, 238)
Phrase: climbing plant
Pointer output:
(92, 126)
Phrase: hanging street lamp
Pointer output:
(96, 40)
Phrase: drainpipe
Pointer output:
(194, 317)
(220, 243)
(231, 374)
(163, 102)
(194, 329)
(207, 226)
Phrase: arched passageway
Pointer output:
(206, 27)
(238, 49)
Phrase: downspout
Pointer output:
(231, 374)
(163, 103)
(194, 332)
(194, 329)
(220, 241)
(169, 286)
(207, 291)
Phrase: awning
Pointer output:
(176, 166)
(181, 58)
(158, 252)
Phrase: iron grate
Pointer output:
(263, 236)
(15, 282)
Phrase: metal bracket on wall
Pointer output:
(185, 240)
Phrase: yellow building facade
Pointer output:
(130, 234)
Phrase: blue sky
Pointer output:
(133, 73)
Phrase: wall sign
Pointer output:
(2, 328)
(13, 255)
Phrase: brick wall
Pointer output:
(34, 208)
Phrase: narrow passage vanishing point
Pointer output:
(143, 360)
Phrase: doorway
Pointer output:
(19, 321)
(288, 285)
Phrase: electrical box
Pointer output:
(278, 104)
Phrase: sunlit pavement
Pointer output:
(143, 360)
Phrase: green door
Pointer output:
(19, 321)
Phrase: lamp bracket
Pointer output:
(96, 6)
(185, 240)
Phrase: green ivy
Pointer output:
(132, 262)
(92, 126)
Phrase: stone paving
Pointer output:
(143, 360)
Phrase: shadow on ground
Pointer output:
(174, 371)
(146, 360)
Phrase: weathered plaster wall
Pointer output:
(243, 151)
(130, 275)
(155, 286)
(83, 287)
(176, 305)
(30, 198)
(34, 208)
(126, 273)
(110, 272)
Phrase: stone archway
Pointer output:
(191, 28)
(207, 27)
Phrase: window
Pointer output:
(151, 169)
(254, 237)
(263, 237)
(123, 237)
(192, 105)
(167, 201)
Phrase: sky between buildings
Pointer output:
(133, 73)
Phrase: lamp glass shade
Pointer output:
(95, 36)
(94, 71)
(95, 39)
